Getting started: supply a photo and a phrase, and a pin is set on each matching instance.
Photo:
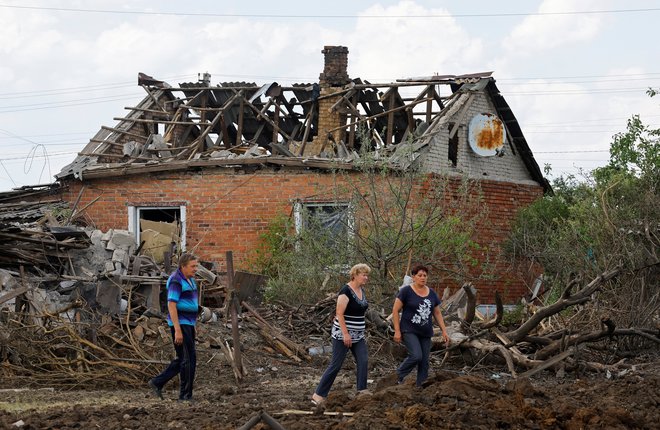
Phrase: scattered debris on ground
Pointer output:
(82, 329)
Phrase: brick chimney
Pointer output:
(331, 81)
(335, 69)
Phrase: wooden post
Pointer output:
(429, 104)
(276, 120)
(233, 304)
(75, 205)
(239, 133)
(308, 126)
(354, 116)
(390, 118)
(20, 301)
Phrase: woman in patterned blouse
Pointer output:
(419, 304)
(348, 333)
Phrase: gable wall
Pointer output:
(508, 168)
(228, 210)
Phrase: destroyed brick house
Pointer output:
(218, 162)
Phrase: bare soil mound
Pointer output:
(449, 399)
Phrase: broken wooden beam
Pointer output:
(549, 363)
(292, 350)
(13, 294)
(233, 301)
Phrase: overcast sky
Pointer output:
(572, 78)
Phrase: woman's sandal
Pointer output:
(317, 400)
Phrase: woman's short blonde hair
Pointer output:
(359, 268)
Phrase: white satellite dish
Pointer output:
(486, 135)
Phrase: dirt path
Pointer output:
(451, 398)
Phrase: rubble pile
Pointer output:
(77, 305)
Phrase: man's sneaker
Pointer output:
(187, 400)
(158, 392)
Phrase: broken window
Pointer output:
(161, 228)
(453, 146)
(330, 223)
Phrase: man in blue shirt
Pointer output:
(182, 306)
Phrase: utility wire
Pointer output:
(34, 155)
(576, 76)
(116, 85)
(70, 100)
(105, 99)
(571, 152)
(275, 16)
(72, 133)
(8, 174)
(93, 87)
(580, 122)
(55, 106)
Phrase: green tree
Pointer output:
(394, 213)
(612, 217)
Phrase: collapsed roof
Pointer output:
(319, 125)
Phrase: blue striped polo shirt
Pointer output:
(183, 292)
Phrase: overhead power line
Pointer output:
(582, 121)
(53, 155)
(579, 76)
(132, 84)
(571, 152)
(92, 87)
(62, 104)
(71, 133)
(277, 16)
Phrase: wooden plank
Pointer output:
(505, 340)
(429, 104)
(75, 205)
(43, 241)
(459, 120)
(234, 316)
(202, 137)
(284, 344)
(153, 98)
(152, 111)
(378, 115)
(154, 121)
(308, 127)
(328, 413)
(278, 147)
(352, 128)
(276, 121)
(390, 117)
(239, 132)
(12, 294)
(170, 129)
(267, 119)
(548, 363)
(117, 130)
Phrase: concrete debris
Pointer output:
(254, 151)
(223, 154)
(90, 290)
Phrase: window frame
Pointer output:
(134, 217)
(300, 205)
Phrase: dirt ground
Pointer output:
(457, 395)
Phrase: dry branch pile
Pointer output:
(539, 342)
(70, 312)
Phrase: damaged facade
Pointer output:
(214, 164)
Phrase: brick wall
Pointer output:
(228, 210)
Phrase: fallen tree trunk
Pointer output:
(564, 302)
